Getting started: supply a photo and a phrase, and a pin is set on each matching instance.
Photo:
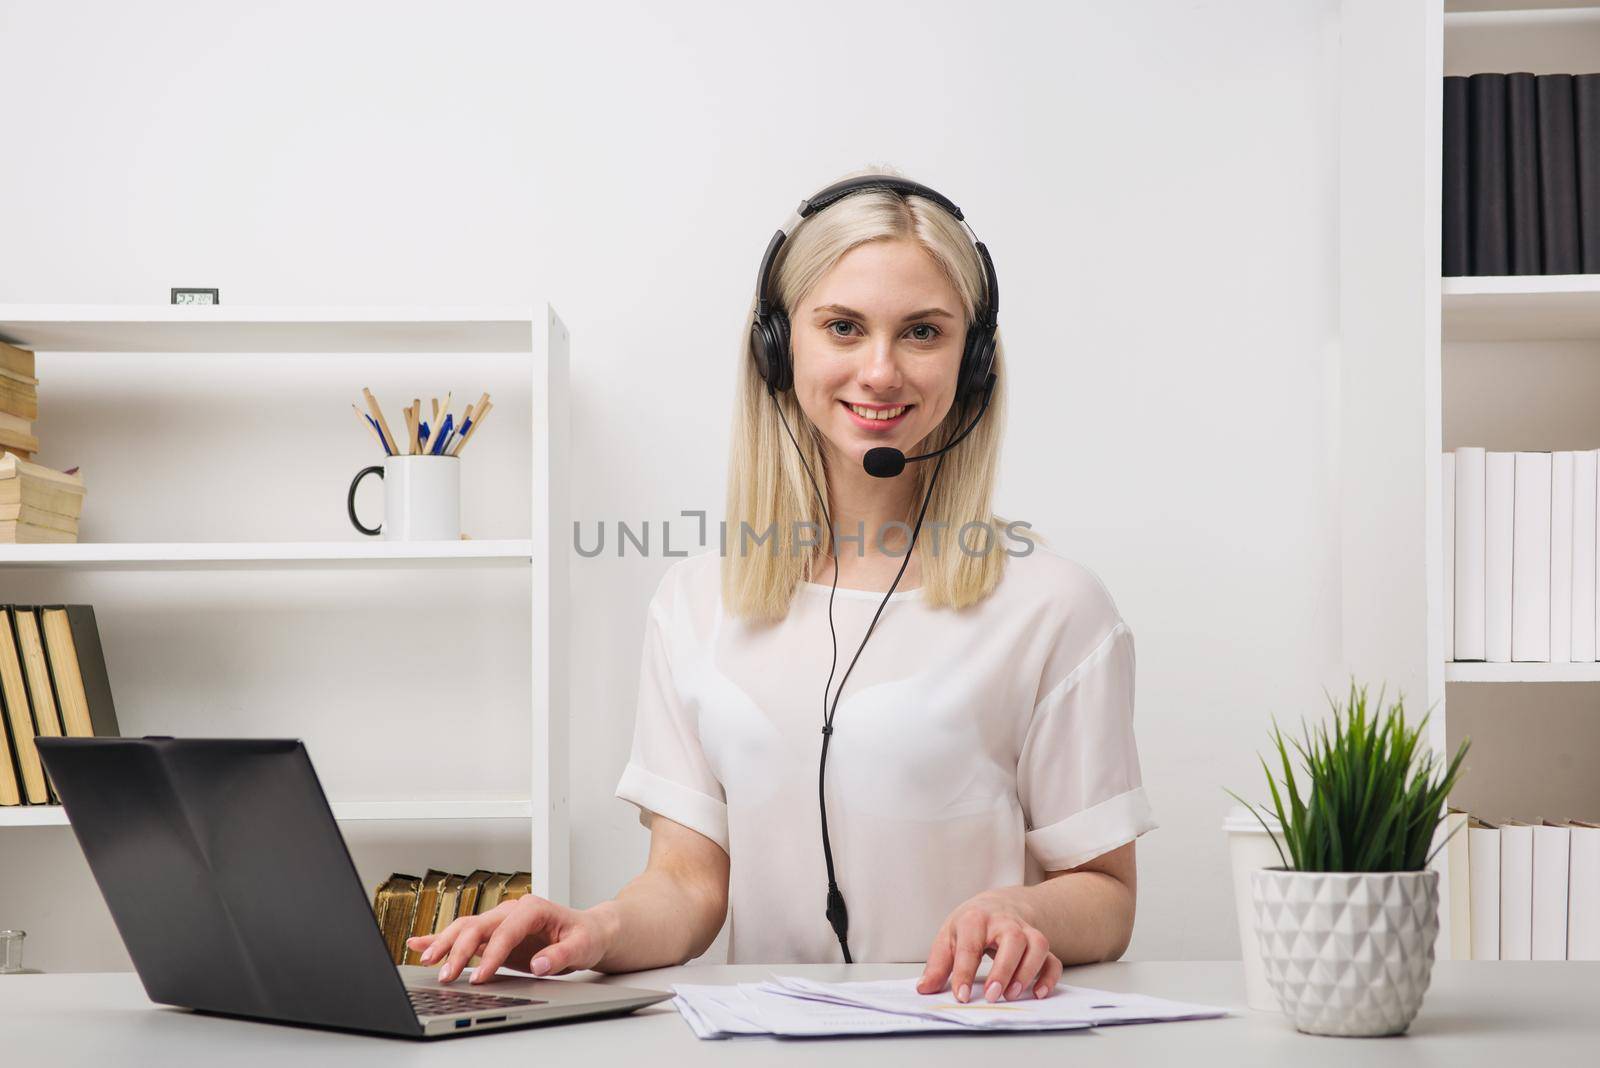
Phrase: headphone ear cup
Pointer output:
(779, 358)
(769, 346)
(976, 360)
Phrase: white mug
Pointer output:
(421, 498)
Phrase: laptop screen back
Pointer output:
(228, 879)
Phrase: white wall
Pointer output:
(1158, 184)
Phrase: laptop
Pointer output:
(232, 888)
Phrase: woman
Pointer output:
(982, 793)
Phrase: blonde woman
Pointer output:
(978, 790)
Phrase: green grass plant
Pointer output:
(1374, 796)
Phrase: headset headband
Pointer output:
(987, 314)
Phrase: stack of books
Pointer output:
(406, 906)
(1521, 556)
(38, 504)
(53, 683)
(1523, 890)
(1521, 174)
(19, 401)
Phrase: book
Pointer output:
(19, 715)
(427, 912)
(1558, 175)
(1522, 173)
(1586, 124)
(1457, 192)
(24, 513)
(1499, 497)
(1447, 480)
(519, 885)
(1561, 556)
(1469, 571)
(1583, 892)
(1552, 845)
(1530, 558)
(18, 440)
(394, 905)
(17, 361)
(13, 532)
(1516, 890)
(10, 466)
(1458, 859)
(493, 887)
(20, 498)
(78, 667)
(1483, 857)
(1491, 236)
(449, 902)
(19, 398)
(1585, 470)
(36, 669)
(10, 781)
(470, 889)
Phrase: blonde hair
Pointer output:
(768, 488)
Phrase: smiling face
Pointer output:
(877, 343)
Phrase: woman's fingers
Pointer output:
(572, 951)
(472, 934)
(940, 958)
(1028, 969)
(528, 918)
(1049, 976)
(419, 942)
(439, 942)
(972, 934)
(1010, 944)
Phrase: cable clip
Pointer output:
(827, 728)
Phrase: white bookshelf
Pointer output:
(1433, 354)
(536, 335)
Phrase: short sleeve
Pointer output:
(1078, 772)
(667, 771)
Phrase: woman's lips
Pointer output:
(877, 425)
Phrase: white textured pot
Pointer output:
(1347, 953)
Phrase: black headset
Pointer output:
(769, 331)
(769, 343)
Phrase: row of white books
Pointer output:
(1523, 891)
(1520, 553)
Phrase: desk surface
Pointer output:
(1474, 1014)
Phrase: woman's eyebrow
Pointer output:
(840, 309)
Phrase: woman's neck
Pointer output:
(872, 508)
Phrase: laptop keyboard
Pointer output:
(448, 1002)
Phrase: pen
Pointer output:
(369, 421)
(444, 432)
(375, 429)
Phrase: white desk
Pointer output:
(1475, 1014)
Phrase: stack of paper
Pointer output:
(807, 1008)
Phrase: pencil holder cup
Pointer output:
(421, 498)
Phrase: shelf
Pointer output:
(1453, 7)
(159, 328)
(56, 816)
(262, 556)
(1546, 307)
(1473, 671)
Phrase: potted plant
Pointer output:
(1347, 925)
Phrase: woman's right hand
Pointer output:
(530, 932)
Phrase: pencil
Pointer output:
(477, 421)
(366, 424)
(388, 435)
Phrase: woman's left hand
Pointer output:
(988, 923)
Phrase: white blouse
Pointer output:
(972, 749)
